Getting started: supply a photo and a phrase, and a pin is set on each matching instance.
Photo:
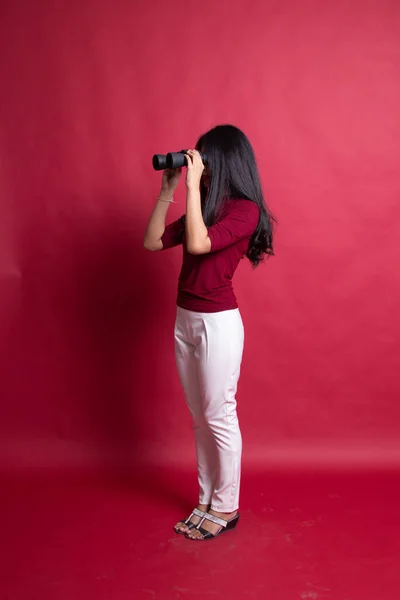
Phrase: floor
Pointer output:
(301, 536)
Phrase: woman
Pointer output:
(226, 219)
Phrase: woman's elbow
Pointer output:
(153, 246)
(196, 249)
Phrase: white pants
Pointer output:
(208, 349)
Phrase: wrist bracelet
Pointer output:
(172, 201)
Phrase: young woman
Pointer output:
(226, 219)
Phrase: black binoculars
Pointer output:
(172, 160)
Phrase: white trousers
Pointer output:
(208, 349)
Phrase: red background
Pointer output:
(89, 92)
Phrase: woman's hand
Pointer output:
(195, 168)
(170, 180)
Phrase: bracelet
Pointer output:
(172, 201)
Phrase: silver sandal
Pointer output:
(207, 535)
(196, 512)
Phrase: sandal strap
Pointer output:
(214, 519)
(197, 512)
(207, 534)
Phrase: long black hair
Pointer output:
(234, 175)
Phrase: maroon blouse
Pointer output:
(205, 281)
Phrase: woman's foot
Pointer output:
(183, 527)
(209, 526)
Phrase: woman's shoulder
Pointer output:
(244, 207)
(242, 203)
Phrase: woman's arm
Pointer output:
(156, 224)
(240, 221)
(197, 240)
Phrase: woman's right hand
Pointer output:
(170, 180)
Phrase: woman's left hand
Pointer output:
(195, 168)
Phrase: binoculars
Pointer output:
(172, 160)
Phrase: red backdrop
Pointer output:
(89, 92)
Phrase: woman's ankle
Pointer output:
(225, 512)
